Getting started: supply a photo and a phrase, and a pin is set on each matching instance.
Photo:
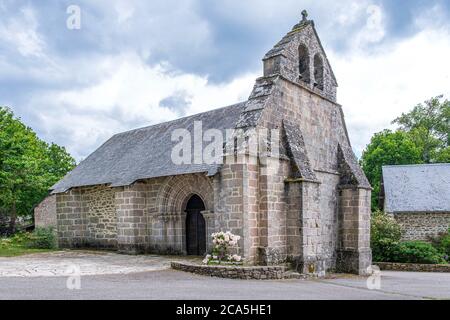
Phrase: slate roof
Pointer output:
(417, 188)
(146, 152)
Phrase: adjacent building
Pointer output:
(418, 196)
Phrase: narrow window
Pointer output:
(318, 71)
(303, 66)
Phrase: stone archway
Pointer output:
(177, 190)
(172, 201)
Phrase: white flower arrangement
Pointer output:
(222, 242)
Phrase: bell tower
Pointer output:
(300, 57)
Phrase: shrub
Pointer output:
(385, 234)
(445, 247)
(20, 238)
(222, 243)
(42, 238)
(442, 244)
(417, 252)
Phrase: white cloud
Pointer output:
(128, 95)
(375, 89)
(119, 91)
(348, 15)
(373, 31)
(20, 32)
(124, 10)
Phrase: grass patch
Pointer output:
(26, 243)
(18, 250)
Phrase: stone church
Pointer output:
(312, 211)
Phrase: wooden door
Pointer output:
(195, 227)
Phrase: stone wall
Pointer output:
(422, 225)
(71, 219)
(86, 217)
(100, 216)
(147, 216)
(416, 267)
(317, 215)
(230, 187)
(273, 208)
(132, 236)
(354, 253)
(233, 272)
(45, 212)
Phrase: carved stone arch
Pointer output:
(303, 63)
(177, 190)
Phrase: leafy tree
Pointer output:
(58, 163)
(28, 166)
(387, 148)
(442, 156)
(429, 126)
(423, 137)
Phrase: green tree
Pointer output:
(58, 163)
(429, 126)
(442, 156)
(387, 148)
(28, 166)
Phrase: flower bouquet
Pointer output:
(222, 242)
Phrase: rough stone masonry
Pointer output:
(312, 211)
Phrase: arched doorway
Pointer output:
(195, 227)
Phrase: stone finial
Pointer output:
(304, 22)
(304, 16)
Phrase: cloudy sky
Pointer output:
(135, 63)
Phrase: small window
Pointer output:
(318, 71)
(303, 59)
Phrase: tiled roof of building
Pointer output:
(146, 152)
(417, 188)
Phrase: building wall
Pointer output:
(422, 225)
(273, 205)
(71, 219)
(321, 124)
(45, 212)
(354, 253)
(147, 216)
(101, 216)
(86, 217)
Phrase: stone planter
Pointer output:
(233, 272)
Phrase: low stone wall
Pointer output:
(413, 267)
(233, 272)
(422, 225)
